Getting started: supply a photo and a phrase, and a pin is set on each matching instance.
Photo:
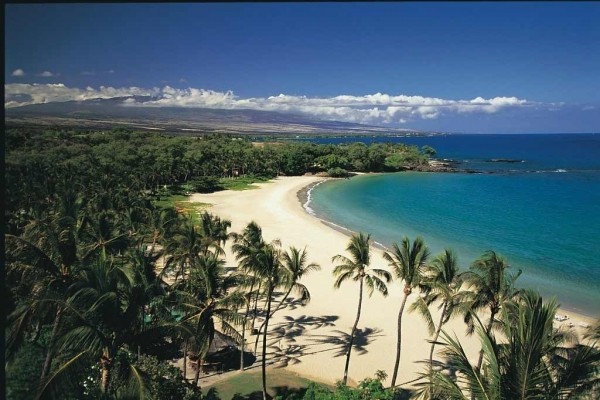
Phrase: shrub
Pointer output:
(338, 173)
(205, 184)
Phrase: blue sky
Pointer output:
(468, 67)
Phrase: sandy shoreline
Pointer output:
(307, 339)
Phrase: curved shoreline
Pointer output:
(315, 332)
(305, 198)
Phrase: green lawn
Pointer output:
(182, 204)
(243, 183)
(248, 385)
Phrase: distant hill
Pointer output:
(108, 113)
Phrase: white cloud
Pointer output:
(88, 73)
(47, 74)
(56, 92)
(111, 71)
(373, 108)
(18, 72)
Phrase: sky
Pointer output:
(506, 67)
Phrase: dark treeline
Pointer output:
(39, 160)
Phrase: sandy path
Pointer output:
(312, 335)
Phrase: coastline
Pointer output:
(303, 196)
(278, 207)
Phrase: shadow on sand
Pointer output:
(339, 341)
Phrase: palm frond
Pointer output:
(421, 307)
(55, 380)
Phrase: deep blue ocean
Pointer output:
(541, 211)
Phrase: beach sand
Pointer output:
(308, 340)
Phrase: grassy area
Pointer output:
(248, 385)
(182, 204)
(242, 183)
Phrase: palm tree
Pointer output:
(246, 248)
(105, 236)
(184, 248)
(210, 296)
(100, 322)
(215, 229)
(147, 295)
(443, 283)
(533, 361)
(593, 332)
(46, 257)
(408, 263)
(159, 222)
(357, 268)
(269, 269)
(492, 288)
(294, 268)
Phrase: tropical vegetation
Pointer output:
(106, 283)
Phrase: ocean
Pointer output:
(536, 203)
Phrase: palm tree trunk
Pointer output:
(154, 238)
(263, 324)
(437, 335)
(255, 306)
(244, 328)
(198, 368)
(106, 365)
(49, 354)
(399, 343)
(282, 300)
(185, 361)
(267, 300)
(488, 329)
(360, 295)
(264, 351)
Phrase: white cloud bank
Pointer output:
(18, 72)
(38, 93)
(375, 108)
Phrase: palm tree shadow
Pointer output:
(285, 356)
(292, 327)
(291, 303)
(362, 338)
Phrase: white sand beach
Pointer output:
(308, 339)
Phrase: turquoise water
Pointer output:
(545, 222)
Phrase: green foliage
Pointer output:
(205, 184)
(23, 371)
(331, 161)
(143, 162)
(282, 384)
(88, 215)
(163, 380)
(428, 150)
(338, 173)
(368, 389)
(243, 183)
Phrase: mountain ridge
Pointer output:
(100, 113)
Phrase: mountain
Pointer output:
(108, 113)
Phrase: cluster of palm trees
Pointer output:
(89, 275)
(526, 357)
(85, 271)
